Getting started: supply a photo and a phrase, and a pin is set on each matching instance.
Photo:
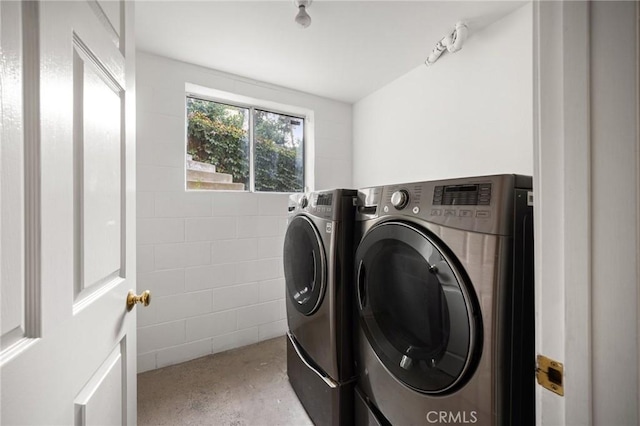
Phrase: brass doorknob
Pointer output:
(132, 299)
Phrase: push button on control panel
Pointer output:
(484, 194)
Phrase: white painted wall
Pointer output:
(213, 260)
(468, 114)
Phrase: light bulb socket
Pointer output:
(305, 3)
(302, 18)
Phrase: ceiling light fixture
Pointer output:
(302, 18)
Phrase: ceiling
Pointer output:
(351, 49)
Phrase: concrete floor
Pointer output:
(245, 386)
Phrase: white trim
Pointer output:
(548, 208)
(577, 211)
(246, 101)
(252, 152)
(562, 219)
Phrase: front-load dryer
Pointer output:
(318, 254)
(444, 296)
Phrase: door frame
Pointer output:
(569, 223)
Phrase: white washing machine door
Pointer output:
(416, 307)
(305, 267)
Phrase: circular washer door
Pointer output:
(304, 265)
(416, 308)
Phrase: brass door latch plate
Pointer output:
(550, 374)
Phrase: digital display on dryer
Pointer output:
(462, 195)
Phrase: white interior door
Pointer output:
(68, 213)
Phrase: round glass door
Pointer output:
(416, 308)
(304, 265)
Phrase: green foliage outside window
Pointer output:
(218, 134)
(278, 153)
(276, 168)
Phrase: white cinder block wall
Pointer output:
(213, 260)
(471, 113)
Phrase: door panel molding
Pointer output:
(100, 48)
(111, 77)
(33, 208)
(104, 395)
(112, 28)
(97, 173)
(92, 148)
(21, 337)
(12, 169)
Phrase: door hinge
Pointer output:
(550, 374)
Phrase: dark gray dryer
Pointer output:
(444, 274)
(317, 264)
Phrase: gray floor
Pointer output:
(246, 386)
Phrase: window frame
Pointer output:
(251, 105)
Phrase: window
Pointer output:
(243, 148)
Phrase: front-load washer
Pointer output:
(318, 254)
(444, 296)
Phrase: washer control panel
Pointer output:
(322, 204)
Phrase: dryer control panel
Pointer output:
(477, 194)
(480, 204)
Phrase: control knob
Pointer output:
(400, 199)
(304, 201)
